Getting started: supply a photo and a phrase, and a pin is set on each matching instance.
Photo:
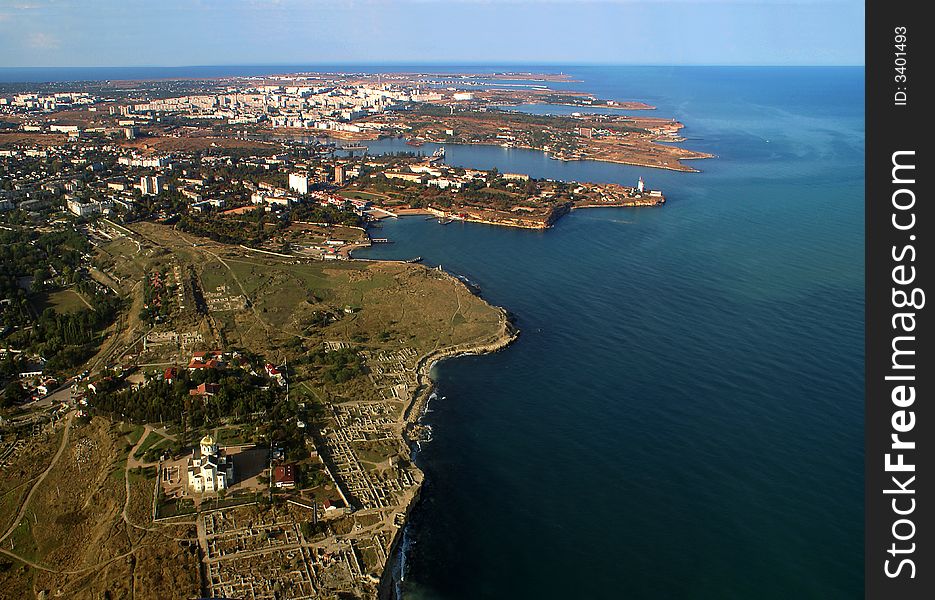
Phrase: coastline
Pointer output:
(618, 106)
(551, 219)
(369, 136)
(412, 428)
(631, 162)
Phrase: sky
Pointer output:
(59, 33)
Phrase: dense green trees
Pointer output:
(32, 263)
(10, 365)
(227, 230)
(68, 339)
(240, 395)
(255, 227)
(12, 394)
(317, 213)
(27, 260)
(336, 366)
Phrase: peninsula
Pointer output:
(203, 392)
(468, 109)
(318, 368)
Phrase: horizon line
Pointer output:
(444, 63)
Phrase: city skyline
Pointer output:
(97, 33)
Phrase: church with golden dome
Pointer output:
(209, 469)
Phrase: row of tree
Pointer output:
(240, 395)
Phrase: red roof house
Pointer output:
(284, 476)
(205, 389)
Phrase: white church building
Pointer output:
(208, 469)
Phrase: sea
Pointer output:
(682, 414)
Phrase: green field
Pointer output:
(133, 432)
(153, 440)
(215, 275)
(22, 540)
(294, 306)
(362, 195)
(62, 301)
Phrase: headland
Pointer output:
(198, 301)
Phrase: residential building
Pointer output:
(205, 390)
(83, 209)
(284, 476)
(151, 185)
(298, 182)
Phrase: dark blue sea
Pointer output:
(682, 416)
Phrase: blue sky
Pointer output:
(282, 32)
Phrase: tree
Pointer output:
(38, 278)
(12, 394)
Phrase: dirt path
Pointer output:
(80, 297)
(99, 565)
(131, 463)
(127, 324)
(41, 478)
(61, 449)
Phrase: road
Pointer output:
(57, 396)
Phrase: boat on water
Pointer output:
(353, 147)
(439, 153)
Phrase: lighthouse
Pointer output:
(639, 186)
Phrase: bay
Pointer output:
(682, 416)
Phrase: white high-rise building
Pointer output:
(298, 182)
(151, 186)
(639, 185)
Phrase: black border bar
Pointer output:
(899, 428)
